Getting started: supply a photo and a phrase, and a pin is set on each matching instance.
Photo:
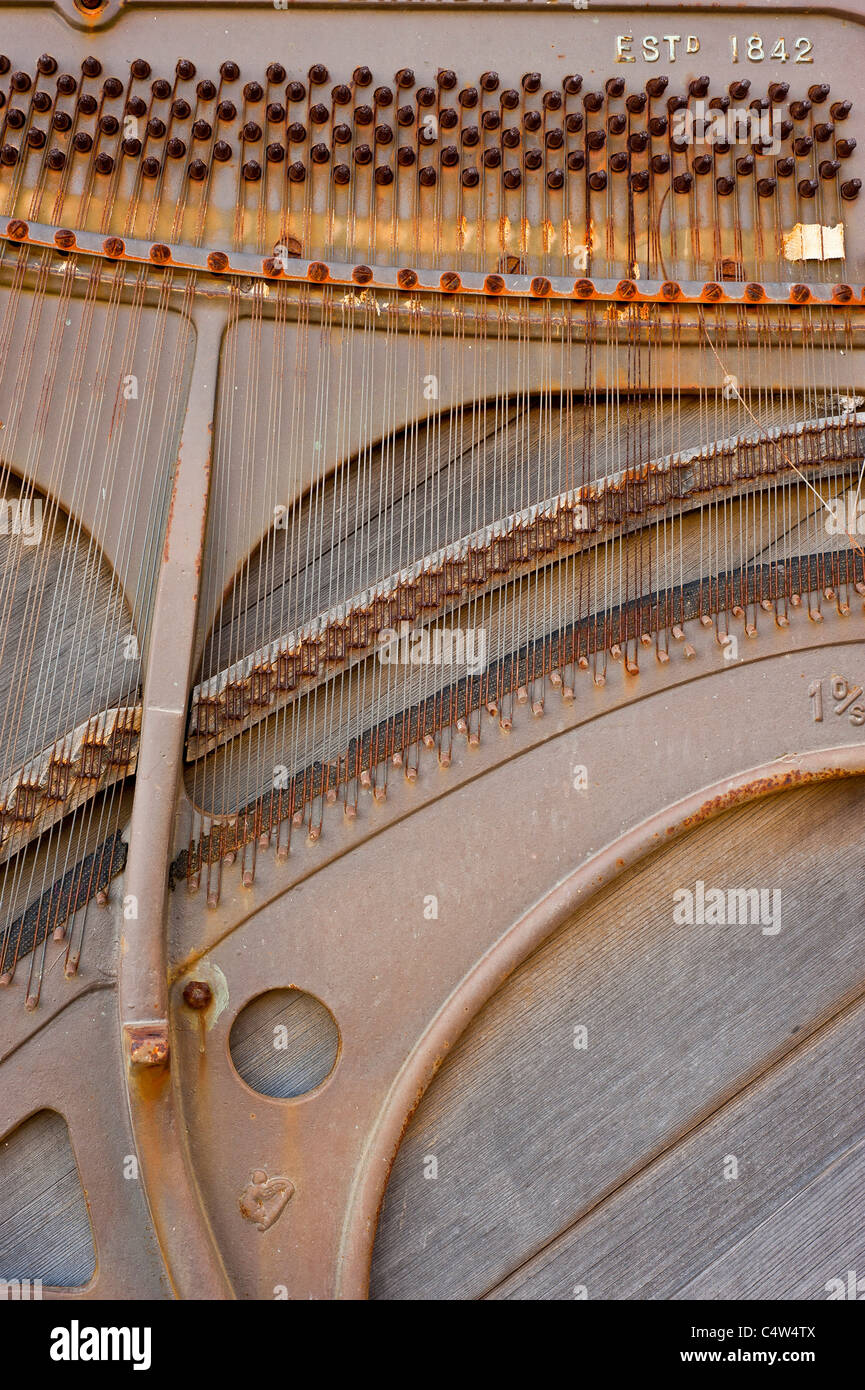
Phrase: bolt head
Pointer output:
(198, 995)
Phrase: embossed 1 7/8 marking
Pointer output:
(844, 694)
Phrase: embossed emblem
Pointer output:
(264, 1199)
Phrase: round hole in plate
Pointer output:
(284, 1043)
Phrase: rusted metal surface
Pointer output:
(198, 994)
(148, 1044)
(447, 973)
(582, 290)
(499, 161)
(193, 1262)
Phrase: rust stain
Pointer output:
(750, 791)
(208, 469)
(166, 549)
(148, 1045)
